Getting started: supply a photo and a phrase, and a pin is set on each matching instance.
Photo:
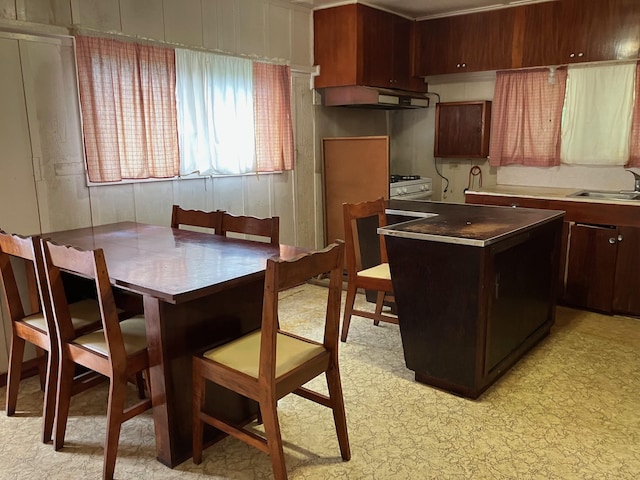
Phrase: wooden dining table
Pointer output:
(198, 290)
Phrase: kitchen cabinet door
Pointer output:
(462, 129)
(541, 36)
(359, 45)
(626, 294)
(465, 43)
(591, 266)
(600, 30)
(432, 47)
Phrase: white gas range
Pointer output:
(410, 187)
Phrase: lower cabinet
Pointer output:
(600, 252)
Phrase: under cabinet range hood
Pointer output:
(370, 97)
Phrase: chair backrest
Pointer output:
(196, 218)
(283, 274)
(26, 248)
(89, 264)
(263, 227)
(352, 212)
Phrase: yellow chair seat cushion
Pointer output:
(243, 354)
(133, 334)
(83, 314)
(379, 271)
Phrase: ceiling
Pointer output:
(421, 9)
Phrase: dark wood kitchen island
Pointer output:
(474, 287)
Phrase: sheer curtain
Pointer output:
(274, 128)
(215, 113)
(597, 117)
(527, 112)
(127, 96)
(634, 157)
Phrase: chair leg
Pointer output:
(339, 416)
(379, 305)
(269, 409)
(115, 409)
(348, 310)
(41, 355)
(66, 371)
(141, 384)
(15, 372)
(197, 404)
(49, 404)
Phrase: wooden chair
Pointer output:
(262, 227)
(196, 218)
(37, 328)
(270, 363)
(376, 278)
(118, 350)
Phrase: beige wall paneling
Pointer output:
(8, 9)
(302, 38)
(194, 194)
(252, 28)
(56, 138)
(183, 22)
(283, 186)
(18, 200)
(101, 15)
(48, 12)
(306, 218)
(142, 17)
(227, 194)
(227, 11)
(112, 203)
(210, 25)
(153, 202)
(258, 195)
(279, 32)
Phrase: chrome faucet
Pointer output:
(636, 187)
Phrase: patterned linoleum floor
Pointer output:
(570, 409)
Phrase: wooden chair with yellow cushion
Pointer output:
(118, 350)
(268, 227)
(269, 363)
(196, 218)
(36, 328)
(377, 277)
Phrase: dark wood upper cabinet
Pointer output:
(541, 34)
(462, 129)
(465, 43)
(358, 45)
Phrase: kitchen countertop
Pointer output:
(475, 225)
(549, 193)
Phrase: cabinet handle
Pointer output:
(612, 240)
(581, 54)
(571, 55)
(620, 238)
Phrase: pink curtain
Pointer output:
(127, 95)
(273, 124)
(527, 114)
(634, 154)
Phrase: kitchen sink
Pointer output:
(606, 195)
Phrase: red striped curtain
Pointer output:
(634, 154)
(527, 115)
(127, 94)
(273, 123)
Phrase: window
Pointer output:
(527, 109)
(152, 112)
(128, 109)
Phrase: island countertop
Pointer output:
(475, 225)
